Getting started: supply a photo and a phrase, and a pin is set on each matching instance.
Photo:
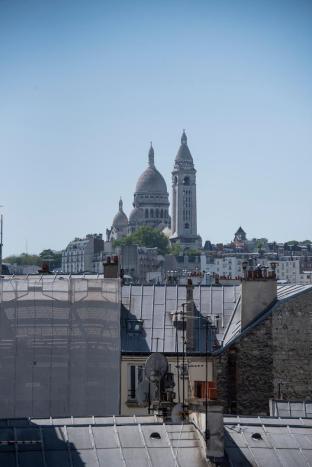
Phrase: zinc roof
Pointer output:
(282, 408)
(99, 442)
(154, 305)
(268, 441)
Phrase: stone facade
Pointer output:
(244, 372)
(80, 255)
(270, 360)
(292, 348)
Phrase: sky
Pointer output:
(85, 85)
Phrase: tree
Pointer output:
(148, 237)
(175, 249)
(53, 258)
(23, 259)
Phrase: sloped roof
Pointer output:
(154, 305)
(268, 441)
(284, 292)
(99, 441)
(282, 408)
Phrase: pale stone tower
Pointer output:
(184, 215)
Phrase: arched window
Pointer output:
(146, 213)
(186, 181)
(166, 214)
(157, 213)
(161, 213)
(152, 213)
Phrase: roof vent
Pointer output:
(256, 436)
(155, 435)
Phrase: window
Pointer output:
(157, 213)
(152, 213)
(186, 225)
(202, 389)
(135, 377)
(186, 181)
(146, 213)
(135, 326)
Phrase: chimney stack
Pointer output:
(190, 322)
(259, 292)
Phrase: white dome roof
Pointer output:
(120, 219)
(151, 181)
(136, 215)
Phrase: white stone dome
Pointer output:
(120, 219)
(151, 181)
(136, 215)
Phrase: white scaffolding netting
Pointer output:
(59, 347)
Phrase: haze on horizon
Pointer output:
(85, 86)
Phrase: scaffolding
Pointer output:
(59, 346)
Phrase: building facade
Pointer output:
(270, 358)
(79, 255)
(288, 269)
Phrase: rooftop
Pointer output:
(99, 442)
(268, 441)
(154, 306)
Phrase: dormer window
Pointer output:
(135, 326)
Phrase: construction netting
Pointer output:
(59, 346)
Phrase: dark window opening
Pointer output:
(135, 326)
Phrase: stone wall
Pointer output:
(271, 360)
(244, 372)
(292, 348)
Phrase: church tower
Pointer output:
(184, 215)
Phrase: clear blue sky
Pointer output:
(86, 84)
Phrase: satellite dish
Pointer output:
(145, 393)
(156, 367)
(177, 413)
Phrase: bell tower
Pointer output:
(184, 207)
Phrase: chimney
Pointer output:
(190, 313)
(111, 267)
(259, 292)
